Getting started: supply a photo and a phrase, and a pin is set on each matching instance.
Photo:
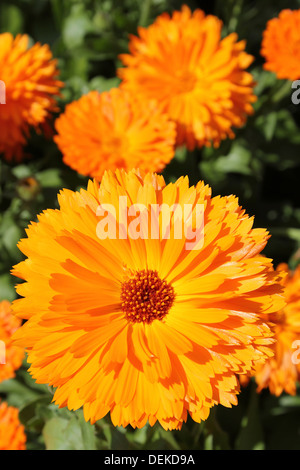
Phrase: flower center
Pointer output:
(186, 81)
(111, 145)
(145, 297)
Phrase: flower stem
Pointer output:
(284, 89)
(145, 12)
(88, 432)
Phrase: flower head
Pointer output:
(30, 79)
(112, 130)
(124, 316)
(281, 372)
(280, 45)
(12, 433)
(11, 356)
(199, 79)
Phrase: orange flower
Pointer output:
(144, 326)
(197, 77)
(114, 130)
(11, 356)
(280, 45)
(29, 75)
(12, 434)
(282, 372)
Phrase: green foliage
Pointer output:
(261, 166)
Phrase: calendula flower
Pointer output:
(135, 310)
(281, 372)
(112, 130)
(199, 78)
(29, 75)
(11, 356)
(280, 45)
(12, 432)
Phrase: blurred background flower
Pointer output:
(112, 130)
(197, 77)
(12, 432)
(30, 77)
(280, 45)
(12, 356)
(282, 371)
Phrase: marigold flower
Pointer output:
(11, 356)
(112, 130)
(12, 432)
(30, 78)
(280, 45)
(143, 327)
(281, 372)
(197, 77)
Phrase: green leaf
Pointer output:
(18, 394)
(103, 84)
(22, 171)
(270, 125)
(69, 431)
(12, 19)
(76, 26)
(10, 239)
(63, 434)
(29, 413)
(7, 290)
(181, 154)
(119, 439)
(289, 401)
(238, 160)
(169, 439)
(88, 432)
(50, 178)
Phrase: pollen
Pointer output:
(145, 297)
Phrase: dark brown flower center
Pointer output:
(145, 297)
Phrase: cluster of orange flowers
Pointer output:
(143, 328)
(11, 357)
(12, 432)
(179, 69)
(195, 80)
(30, 78)
(280, 45)
(281, 372)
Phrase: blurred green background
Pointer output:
(261, 166)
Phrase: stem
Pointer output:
(292, 233)
(196, 156)
(145, 13)
(283, 91)
(88, 433)
(279, 91)
(236, 13)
